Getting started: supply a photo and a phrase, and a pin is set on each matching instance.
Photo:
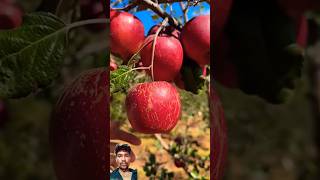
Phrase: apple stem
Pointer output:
(162, 142)
(164, 22)
(140, 49)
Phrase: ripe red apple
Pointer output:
(112, 13)
(218, 133)
(168, 57)
(10, 16)
(153, 107)
(167, 30)
(195, 37)
(78, 128)
(127, 35)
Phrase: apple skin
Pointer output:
(168, 57)
(218, 133)
(195, 38)
(112, 13)
(79, 128)
(127, 35)
(153, 107)
(10, 15)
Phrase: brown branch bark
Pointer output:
(155, 7)
(158, 10)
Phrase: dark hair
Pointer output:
(122, 147)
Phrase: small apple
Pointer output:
(153, 107)
(168, 57)
(195, 37)
(127, 35)
(78, 128)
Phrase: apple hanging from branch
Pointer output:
(78, 128)
(153, 107)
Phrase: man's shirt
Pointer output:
(115, 175)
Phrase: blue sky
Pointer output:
(146, 15)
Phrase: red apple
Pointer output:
(153, 107)
(127, 35)
(218, 140)
(112, 13)
(195, 37)
(10, 16)
(168, 57)
(167, 30)
(78, 128)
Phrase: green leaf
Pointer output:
(120, 79)
(31, 55)
(155, 17)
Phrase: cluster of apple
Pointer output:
(154, 107)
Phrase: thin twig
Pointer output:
(164, 22)
(162, 142)
(158, 10)
(184, 9)
(128, 7)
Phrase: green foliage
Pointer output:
(31, 55)
(184, 150)
(154, 171)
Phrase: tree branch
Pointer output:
(158, 10)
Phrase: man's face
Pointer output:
(123, 160)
